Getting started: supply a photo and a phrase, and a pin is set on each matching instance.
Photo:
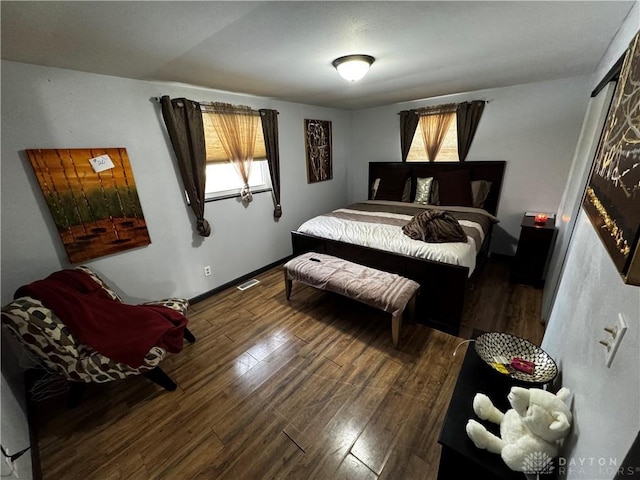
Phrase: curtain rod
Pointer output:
(442, 105)
(158, 99)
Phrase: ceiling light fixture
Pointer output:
(353, 67)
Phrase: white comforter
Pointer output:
(392, 239)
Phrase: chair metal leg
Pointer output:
(158, 376)
(188, 336)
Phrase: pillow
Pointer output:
(392, 186)
(435, 226)
(479, 191)
(435, 193)
(423, 190)
(406, 193)
(454, 188)
(374, 188)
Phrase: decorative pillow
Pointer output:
(435, 226)
(435, 193)
(374, 188)
(423, 190)
(479, 192)
(391, 187)
(455, 188)
(406, 193)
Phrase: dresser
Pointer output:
(459, 457)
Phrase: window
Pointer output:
(448, 151)
(223, 179)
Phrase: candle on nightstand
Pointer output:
(540, 218)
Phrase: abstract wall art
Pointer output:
(92, 197)
(318, 150)
(612, 198)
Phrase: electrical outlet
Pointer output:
(207, 271)
(616, 332)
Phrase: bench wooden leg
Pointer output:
(411, 308)
(396, 323)
(287, 285)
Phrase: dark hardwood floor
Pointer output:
(310, 388)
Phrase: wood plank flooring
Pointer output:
(310, 388)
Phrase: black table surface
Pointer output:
(530, 221)
(477, 377)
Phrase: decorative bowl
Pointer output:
(495, 347)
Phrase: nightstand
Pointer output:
(534, 251)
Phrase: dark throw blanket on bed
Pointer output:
(121, 332)
(435, 226)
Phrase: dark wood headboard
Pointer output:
(492, 171)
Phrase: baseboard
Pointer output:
(238, 280)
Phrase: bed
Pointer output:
(393, 187)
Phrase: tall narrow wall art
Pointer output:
(92, 197)
(317, 135)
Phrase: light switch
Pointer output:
(616, 334)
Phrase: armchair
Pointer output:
(43, 333)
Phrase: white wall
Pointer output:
(15, 434)
(572, 197)
(54, 108)
(534, 127)
(14, 429)
(590, 296)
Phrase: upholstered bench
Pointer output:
(385, 291)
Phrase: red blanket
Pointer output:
(121, 332)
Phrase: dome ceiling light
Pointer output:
(353, 67)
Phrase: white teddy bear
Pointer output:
(528, 431)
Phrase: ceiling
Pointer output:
(284, 50)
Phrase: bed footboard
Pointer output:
(442, 287)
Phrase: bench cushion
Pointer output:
(382, 290)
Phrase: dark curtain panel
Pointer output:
(468, 117)
(183, 119)
(270, 132)
(408, 123)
